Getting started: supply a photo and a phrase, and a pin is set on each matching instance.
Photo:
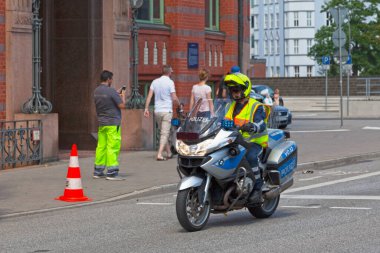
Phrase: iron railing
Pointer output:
(371, 86)
(20, 143)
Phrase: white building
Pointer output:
(282, 32)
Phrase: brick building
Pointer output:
(80, 38)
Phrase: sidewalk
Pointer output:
(34, 188)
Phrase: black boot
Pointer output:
(256, 196)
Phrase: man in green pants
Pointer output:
(108, 103)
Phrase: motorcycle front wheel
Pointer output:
(266, 209)
(190, 214)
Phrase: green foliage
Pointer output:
(363, 26)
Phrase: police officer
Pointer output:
(251, 117)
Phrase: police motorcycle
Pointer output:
(213, 168)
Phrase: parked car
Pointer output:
(280, 117)
(261, 87)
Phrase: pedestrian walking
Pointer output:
(164, 94)
(277, 100)
(222, 89)
(108, 103)
(202, 91)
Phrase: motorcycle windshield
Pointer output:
(199, 124)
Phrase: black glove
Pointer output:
(249, 127)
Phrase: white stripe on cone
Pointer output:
(74, 184)
(74, 163)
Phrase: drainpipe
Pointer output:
(240, 33)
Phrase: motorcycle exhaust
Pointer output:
(277, 191)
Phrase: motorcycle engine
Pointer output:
(245, 186)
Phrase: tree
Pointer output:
(363, 25)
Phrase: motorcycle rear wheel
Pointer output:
(190, 214)
(266, 209)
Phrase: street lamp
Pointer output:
(37, 103)
(135, 101)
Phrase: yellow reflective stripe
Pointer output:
(258, 135)
(254, 106)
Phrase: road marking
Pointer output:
(371, 128)
(350, 208)
(306, 115)
(321, 131)
(309, 179)
(340, 197)
(158, 204)
(309, 207)
(332, 182)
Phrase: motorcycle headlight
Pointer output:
(199, 149)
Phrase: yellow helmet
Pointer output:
(239, 80)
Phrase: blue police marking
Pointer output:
(288, 167)
(288, 151)
(349, 59)
(326, 60)
(229, 162)
(276, 135)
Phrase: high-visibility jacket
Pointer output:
(246, 115)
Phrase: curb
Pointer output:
(328, 164)
(169, 188)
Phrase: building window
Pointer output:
(252, 21)
(309, 45)
(286, 46)
(309, 71)
(296, 46)
(266, 21)
(266, 47)
(151, 12)
(277, 46)
(277, 20)
(252, 41)
(272, 47)
(308, 18)
(296, 20)
(296, 71)
(278, 71)
(212, 14)
(252, 3)
(272, 20)
(328, 19)
(287, 19)
(256, 47)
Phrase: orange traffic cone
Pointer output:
(73, 191)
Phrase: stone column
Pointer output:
(19, 73)
(18, 55)
(137, 131)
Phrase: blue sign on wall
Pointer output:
(192, 55)
(326, 60)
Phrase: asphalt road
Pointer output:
(335, 210)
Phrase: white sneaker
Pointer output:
(99, 176)
(115, 178)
